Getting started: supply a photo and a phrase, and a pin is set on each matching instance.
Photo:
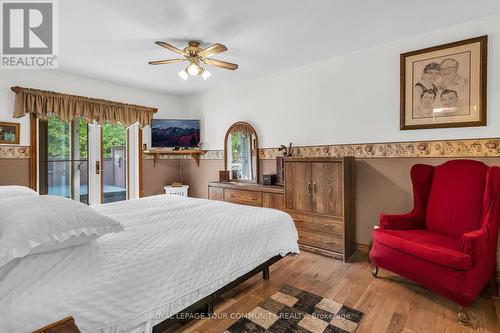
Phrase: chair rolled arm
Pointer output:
(401, 221)
(474, 243)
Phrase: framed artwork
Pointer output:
(9, 133)
(445, 85)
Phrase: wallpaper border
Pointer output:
(438, 148)
(14, 152)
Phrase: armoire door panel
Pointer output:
(327, 188)
(299, 186)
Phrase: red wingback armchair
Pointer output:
(448, 242)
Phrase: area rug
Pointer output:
(298, 311)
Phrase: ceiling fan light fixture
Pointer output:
(196, 57)
(183, 74)
(194, 69)
(206, 74)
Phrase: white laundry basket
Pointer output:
(182, 191)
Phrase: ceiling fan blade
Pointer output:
(170, 47)
(222, 64)
(212, 49)
(168, 61)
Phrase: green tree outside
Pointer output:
(83, 138)
(59, 138)
(113, 135)
(236, 144)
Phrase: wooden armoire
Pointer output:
(319, 195)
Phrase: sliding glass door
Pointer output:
(84, 162)
(63, 161)
(114, 159)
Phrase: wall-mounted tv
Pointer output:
(175, 133)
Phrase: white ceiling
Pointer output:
(112, 40)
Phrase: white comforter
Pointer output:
(173, 252)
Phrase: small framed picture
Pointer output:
(445, 85)
(9, 133)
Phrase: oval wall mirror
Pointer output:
(241, 156)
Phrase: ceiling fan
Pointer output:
(196, 56)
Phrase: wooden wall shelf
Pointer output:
(194, 153)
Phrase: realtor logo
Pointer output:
(28, 34)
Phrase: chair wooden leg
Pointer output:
(375, 271)
(265, 273)
(463, 317)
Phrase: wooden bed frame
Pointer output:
(67, 325)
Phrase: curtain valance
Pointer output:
(68, 107)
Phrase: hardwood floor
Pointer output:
(389, 306)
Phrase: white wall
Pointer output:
(168, 106)
(348, 99)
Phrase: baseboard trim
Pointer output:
(364, 248)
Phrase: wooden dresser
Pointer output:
(248, 194)
(319, 195)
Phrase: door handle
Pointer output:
(308, 187)
(97, 167)
(315, 188)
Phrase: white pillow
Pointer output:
(35, 224)
(12, 191)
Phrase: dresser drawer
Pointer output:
(243, 197)
(325, 242)
(216, 193)
(316, 224)
(273, 200)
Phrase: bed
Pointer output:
(173, 252)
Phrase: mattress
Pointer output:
(173, 252)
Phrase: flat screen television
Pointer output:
(167, 133)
